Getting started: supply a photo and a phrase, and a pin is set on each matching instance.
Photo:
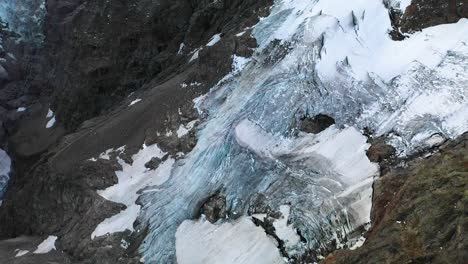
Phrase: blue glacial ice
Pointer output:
(25, 17)
(313, 57)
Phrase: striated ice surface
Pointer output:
(331, 57)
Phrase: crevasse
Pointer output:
(329, 57)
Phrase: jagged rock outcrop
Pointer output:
(426, 13)
(316, 124)
(420, 14)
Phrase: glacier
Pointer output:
(313, 57)
(25, 17)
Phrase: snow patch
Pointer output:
(46, 246)
(181, 49)
(197, 102)
(240, 34)
(240, 242)
(195, 54)
(49, 113)
(215, 39)
(239, 63)
(106, 154)
(134, 102)
(185, 129)
(51, 119)
(20, 253)
(404, 4)
(51, 122)
(131, 179)
(284, 231)
(360, 241)
(21, 109)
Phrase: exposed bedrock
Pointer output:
(102, 51)
(316, 124)
(420, 14)
(96, 53)
(426, 13)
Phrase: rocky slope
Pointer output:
(84, 73)
(194, 131)
(419, 212)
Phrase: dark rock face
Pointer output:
(214, 208)
(419, 213)
(153, 163)
(102, 51)
(316, 124)
(95, 55)
(426, 13)
(21, 87)
(381, 153)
